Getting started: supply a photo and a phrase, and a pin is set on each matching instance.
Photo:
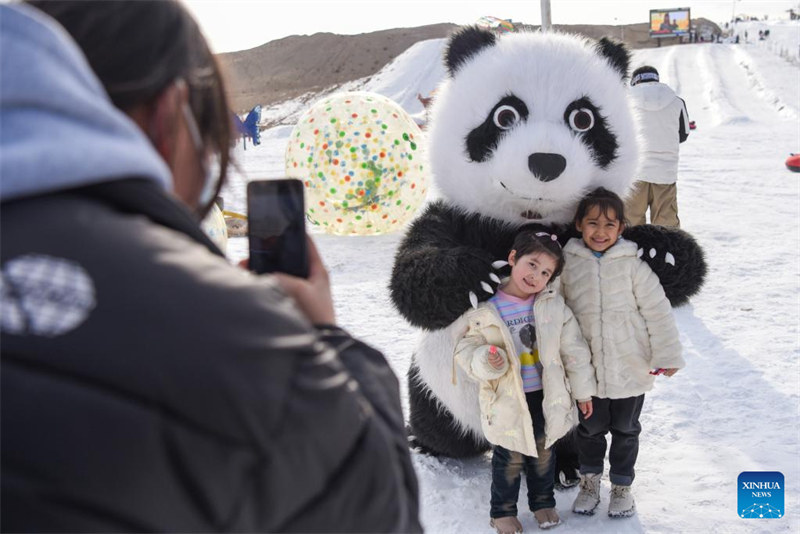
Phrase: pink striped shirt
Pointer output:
(517, 314)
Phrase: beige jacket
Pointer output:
(567, 373)
(623, 314)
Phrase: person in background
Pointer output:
(147, 384)
(664, 124)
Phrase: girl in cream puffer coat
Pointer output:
(628, 322)
(567, 372)
(526, 351)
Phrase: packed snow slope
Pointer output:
(736, 405)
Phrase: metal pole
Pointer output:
(547, 24)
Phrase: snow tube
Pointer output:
(793, 162)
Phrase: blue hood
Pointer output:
(58, 128)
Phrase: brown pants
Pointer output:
(662, 200)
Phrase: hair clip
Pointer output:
(553, 237)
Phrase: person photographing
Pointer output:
(147, 384)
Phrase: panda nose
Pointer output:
(546, 167)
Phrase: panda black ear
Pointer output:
(465, 43)
(617, 54)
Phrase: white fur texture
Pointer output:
(548, 72)
(436, 351)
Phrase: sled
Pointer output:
(793, 162)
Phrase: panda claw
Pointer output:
(473, 299)
(494, 278)
(499, 264)
(669, 258)
(652, 253)
(486, 287)
(639, 253)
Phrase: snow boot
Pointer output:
(506, 525)
(589, 496)
(547, 518)
(621, 503)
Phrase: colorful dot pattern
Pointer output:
(360, 159)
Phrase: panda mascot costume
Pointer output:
(524, 125)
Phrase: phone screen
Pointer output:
(276, 227)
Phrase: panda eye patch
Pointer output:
(581, 120)
(482, 140)
(505, 117)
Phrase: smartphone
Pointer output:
(276, 227)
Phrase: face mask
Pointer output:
(209, 168)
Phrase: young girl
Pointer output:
(628, 323)
(526, 350)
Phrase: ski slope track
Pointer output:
(736, 406)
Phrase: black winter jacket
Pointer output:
(148, 385)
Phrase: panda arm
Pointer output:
(443, 258)
(674, 256)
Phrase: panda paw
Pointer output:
(487, 286)
(473, 298)
(668, 257)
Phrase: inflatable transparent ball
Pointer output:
(360, 159)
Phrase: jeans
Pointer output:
(621, 418)
(507, 467)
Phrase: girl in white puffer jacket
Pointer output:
(627, 320)
(526, 351)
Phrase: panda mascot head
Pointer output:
(527, 123)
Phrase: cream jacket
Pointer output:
(567, 373)
(623, 314)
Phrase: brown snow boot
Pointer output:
(547, 518)
(506, 525)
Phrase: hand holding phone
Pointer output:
(276, 227)
(313, 294)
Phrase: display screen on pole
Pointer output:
(669, 22)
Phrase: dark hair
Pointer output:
(137, 48)
(605, 200)
(528, 242)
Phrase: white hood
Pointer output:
(652, 96)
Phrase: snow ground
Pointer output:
(735, 407)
